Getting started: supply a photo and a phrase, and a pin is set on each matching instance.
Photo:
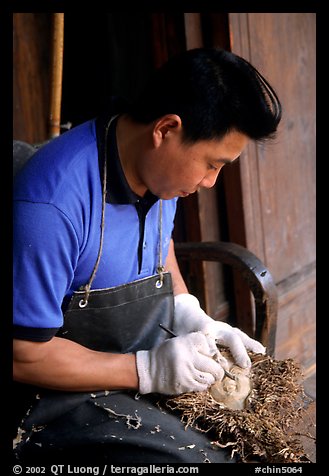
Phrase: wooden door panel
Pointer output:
(277, 179)
(296, 331)
(287, 169)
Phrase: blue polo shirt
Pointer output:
(57, 223)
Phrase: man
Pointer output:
(93, 215)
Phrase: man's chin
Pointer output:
(170, 196)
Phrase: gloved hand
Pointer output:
(189, 317)
(178, 365)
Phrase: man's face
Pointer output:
(176, 169)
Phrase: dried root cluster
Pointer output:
(265, 429)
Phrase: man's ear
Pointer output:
(168, 124)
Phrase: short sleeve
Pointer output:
(45, 253)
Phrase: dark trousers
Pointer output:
(115, 427)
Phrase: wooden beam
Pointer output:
(56, 75)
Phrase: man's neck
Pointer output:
(130, 141)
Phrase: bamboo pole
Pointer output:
(56, 75)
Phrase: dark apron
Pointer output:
(123, 318)
(77, 425)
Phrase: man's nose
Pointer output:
(209, 180)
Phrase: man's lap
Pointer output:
(120, 427)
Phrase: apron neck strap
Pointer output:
(160, 268)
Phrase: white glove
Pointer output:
(178, 365)
(189, 317)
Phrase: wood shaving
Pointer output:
(265, 428)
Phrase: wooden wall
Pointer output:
(31, 81)
(278, 181)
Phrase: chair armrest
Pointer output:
(254, 273)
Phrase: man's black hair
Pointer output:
(213, 91)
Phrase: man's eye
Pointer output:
(212, 167)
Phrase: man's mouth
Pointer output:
(185, 194)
